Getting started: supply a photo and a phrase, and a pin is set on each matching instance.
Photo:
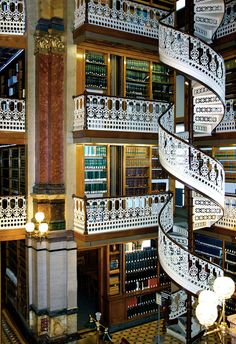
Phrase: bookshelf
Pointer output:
(12, 82)
(114, 286)
(13, 170)
(162, 83)
(137, 170)
(92, 170)
(210, 248)
(227, 157)
(137, 78)
(96, 72)
(230, 84)
(160, 181)
(16, 276)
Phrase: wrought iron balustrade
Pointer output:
(12, 114)
(177, 304)
(12, 17)
(120, 15)
(12, 212)
(228, 221)
(228, 25)
(98, 112)
(229, 120)
(100, 215)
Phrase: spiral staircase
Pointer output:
(193, 57)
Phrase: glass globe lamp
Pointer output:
(206, 313)
(208, 296)
(224, 287)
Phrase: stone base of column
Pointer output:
(56, 328)
(53, 207)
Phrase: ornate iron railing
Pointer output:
(12, 212)
(186, 269)
(12, 114)
(229, 121)
(177, 304)
(120, 15)
(228, 25)
(12, 17)
(191, 166)
(100, 215)
(228, 221)
(98, 112)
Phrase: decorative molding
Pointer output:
(48, 43)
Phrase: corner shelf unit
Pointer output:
(96, 72)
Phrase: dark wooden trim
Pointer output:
(221, 139)
(13, 41)
(12, 137)
(113, 235)
(93, 33)
(113, 134)
(12, 234)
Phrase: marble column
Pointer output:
(53, 287)
(49, 190)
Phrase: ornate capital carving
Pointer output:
(48, 42)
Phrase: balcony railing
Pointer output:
(228, 221)
(12, 114)
(120, 15)
(229, 120)
(177, 304)
(228, 25)
(12, 212)
(12, 17)
(97, 112)
(100, 215)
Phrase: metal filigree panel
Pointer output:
(229, 121)
(120, 15)
(12, 114)
(102, 215)
(12, 17)
(12, 212)
(228, 25)
(228, 221)
(96, 112)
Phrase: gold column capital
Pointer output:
(48, 42)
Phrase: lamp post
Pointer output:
(94, 323)
(207, 308)
(38, 229)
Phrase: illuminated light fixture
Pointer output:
(207, 308)
(38, 229)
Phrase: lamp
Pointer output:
(38, 229)
(94, 323)
(208, 301)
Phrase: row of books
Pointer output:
(141, 255)
(95, 163)
(142, 310)
(95, 150)
(140, 300)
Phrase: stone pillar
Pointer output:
(53, 287)
(49, 190)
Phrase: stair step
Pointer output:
(176, 332)
(209, 9)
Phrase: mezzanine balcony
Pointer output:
(122, 16)
(12, 115)
(117, 214)
(12, 217)
(108, 115)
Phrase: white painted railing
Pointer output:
(98, 112)
(228, 25)
(120, 15)
(100, 215)
(228, 221)
(12, 212)
(229, 120)
(12, 17)
(12, 114)
(177, 304)
(187, 270)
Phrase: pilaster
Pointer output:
(53, 287)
